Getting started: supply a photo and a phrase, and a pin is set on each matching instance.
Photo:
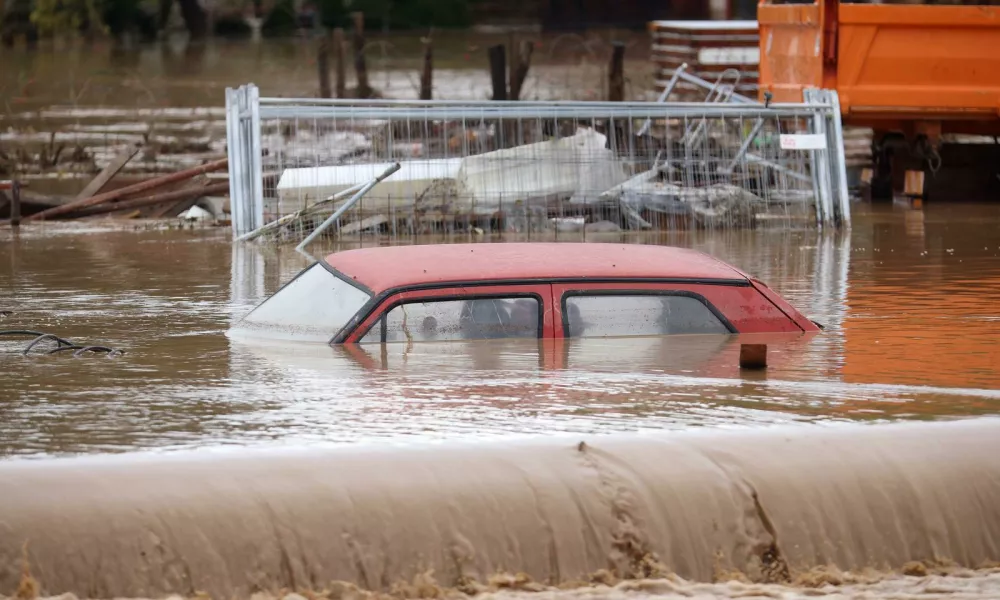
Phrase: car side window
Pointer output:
(466, 319)
(612, 315)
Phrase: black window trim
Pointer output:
(644, 292)
(458, 297)
(343, 277)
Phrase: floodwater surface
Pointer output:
(127, 505)
(907, 298)
(67, 111)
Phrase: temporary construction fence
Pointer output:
(546, 168)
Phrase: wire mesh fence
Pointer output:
(556, 170)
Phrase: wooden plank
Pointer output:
(177, 195)
(117, 163)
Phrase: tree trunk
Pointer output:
(165, 6)
(195, 18)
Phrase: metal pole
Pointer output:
(746, 144)
(299, 213)
(344, 207)
(664, 95)
(739, 98)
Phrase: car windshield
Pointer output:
(312, 307)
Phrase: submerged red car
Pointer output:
(519, 290)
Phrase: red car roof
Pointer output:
(385, 267)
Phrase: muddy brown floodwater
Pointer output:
(67, 111)
(908, 298)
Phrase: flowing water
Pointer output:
(66, 111)
(907, 298)
(598, 469)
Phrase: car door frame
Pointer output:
(381, 305)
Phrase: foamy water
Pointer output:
(768, 507)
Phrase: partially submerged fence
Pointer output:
(552, 168)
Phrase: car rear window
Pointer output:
(612, 315)
(466, 319)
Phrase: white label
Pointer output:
(729, 56)
(801, 141)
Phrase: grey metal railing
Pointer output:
(528, 167)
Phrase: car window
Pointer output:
(374, 334)
(314, 306)
(469, 319)
(608, 315)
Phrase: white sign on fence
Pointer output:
(729, 56)
(803, 141)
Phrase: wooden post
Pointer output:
(519, 68)
(616, 74)
(360, 67)
(339, 52)
(323, 64)
(753, 356)
(498, 71)
(913, 184)
(15, 204)
(427, 77)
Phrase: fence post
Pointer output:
(821, 160)
(256, 170)
(233, 153)
(843, 198)
(243, 165)
(15, 204)
(427, 76)
(498, 71)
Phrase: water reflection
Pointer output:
(911, 330)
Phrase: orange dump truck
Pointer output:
(910, 72)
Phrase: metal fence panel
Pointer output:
(547, 169)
